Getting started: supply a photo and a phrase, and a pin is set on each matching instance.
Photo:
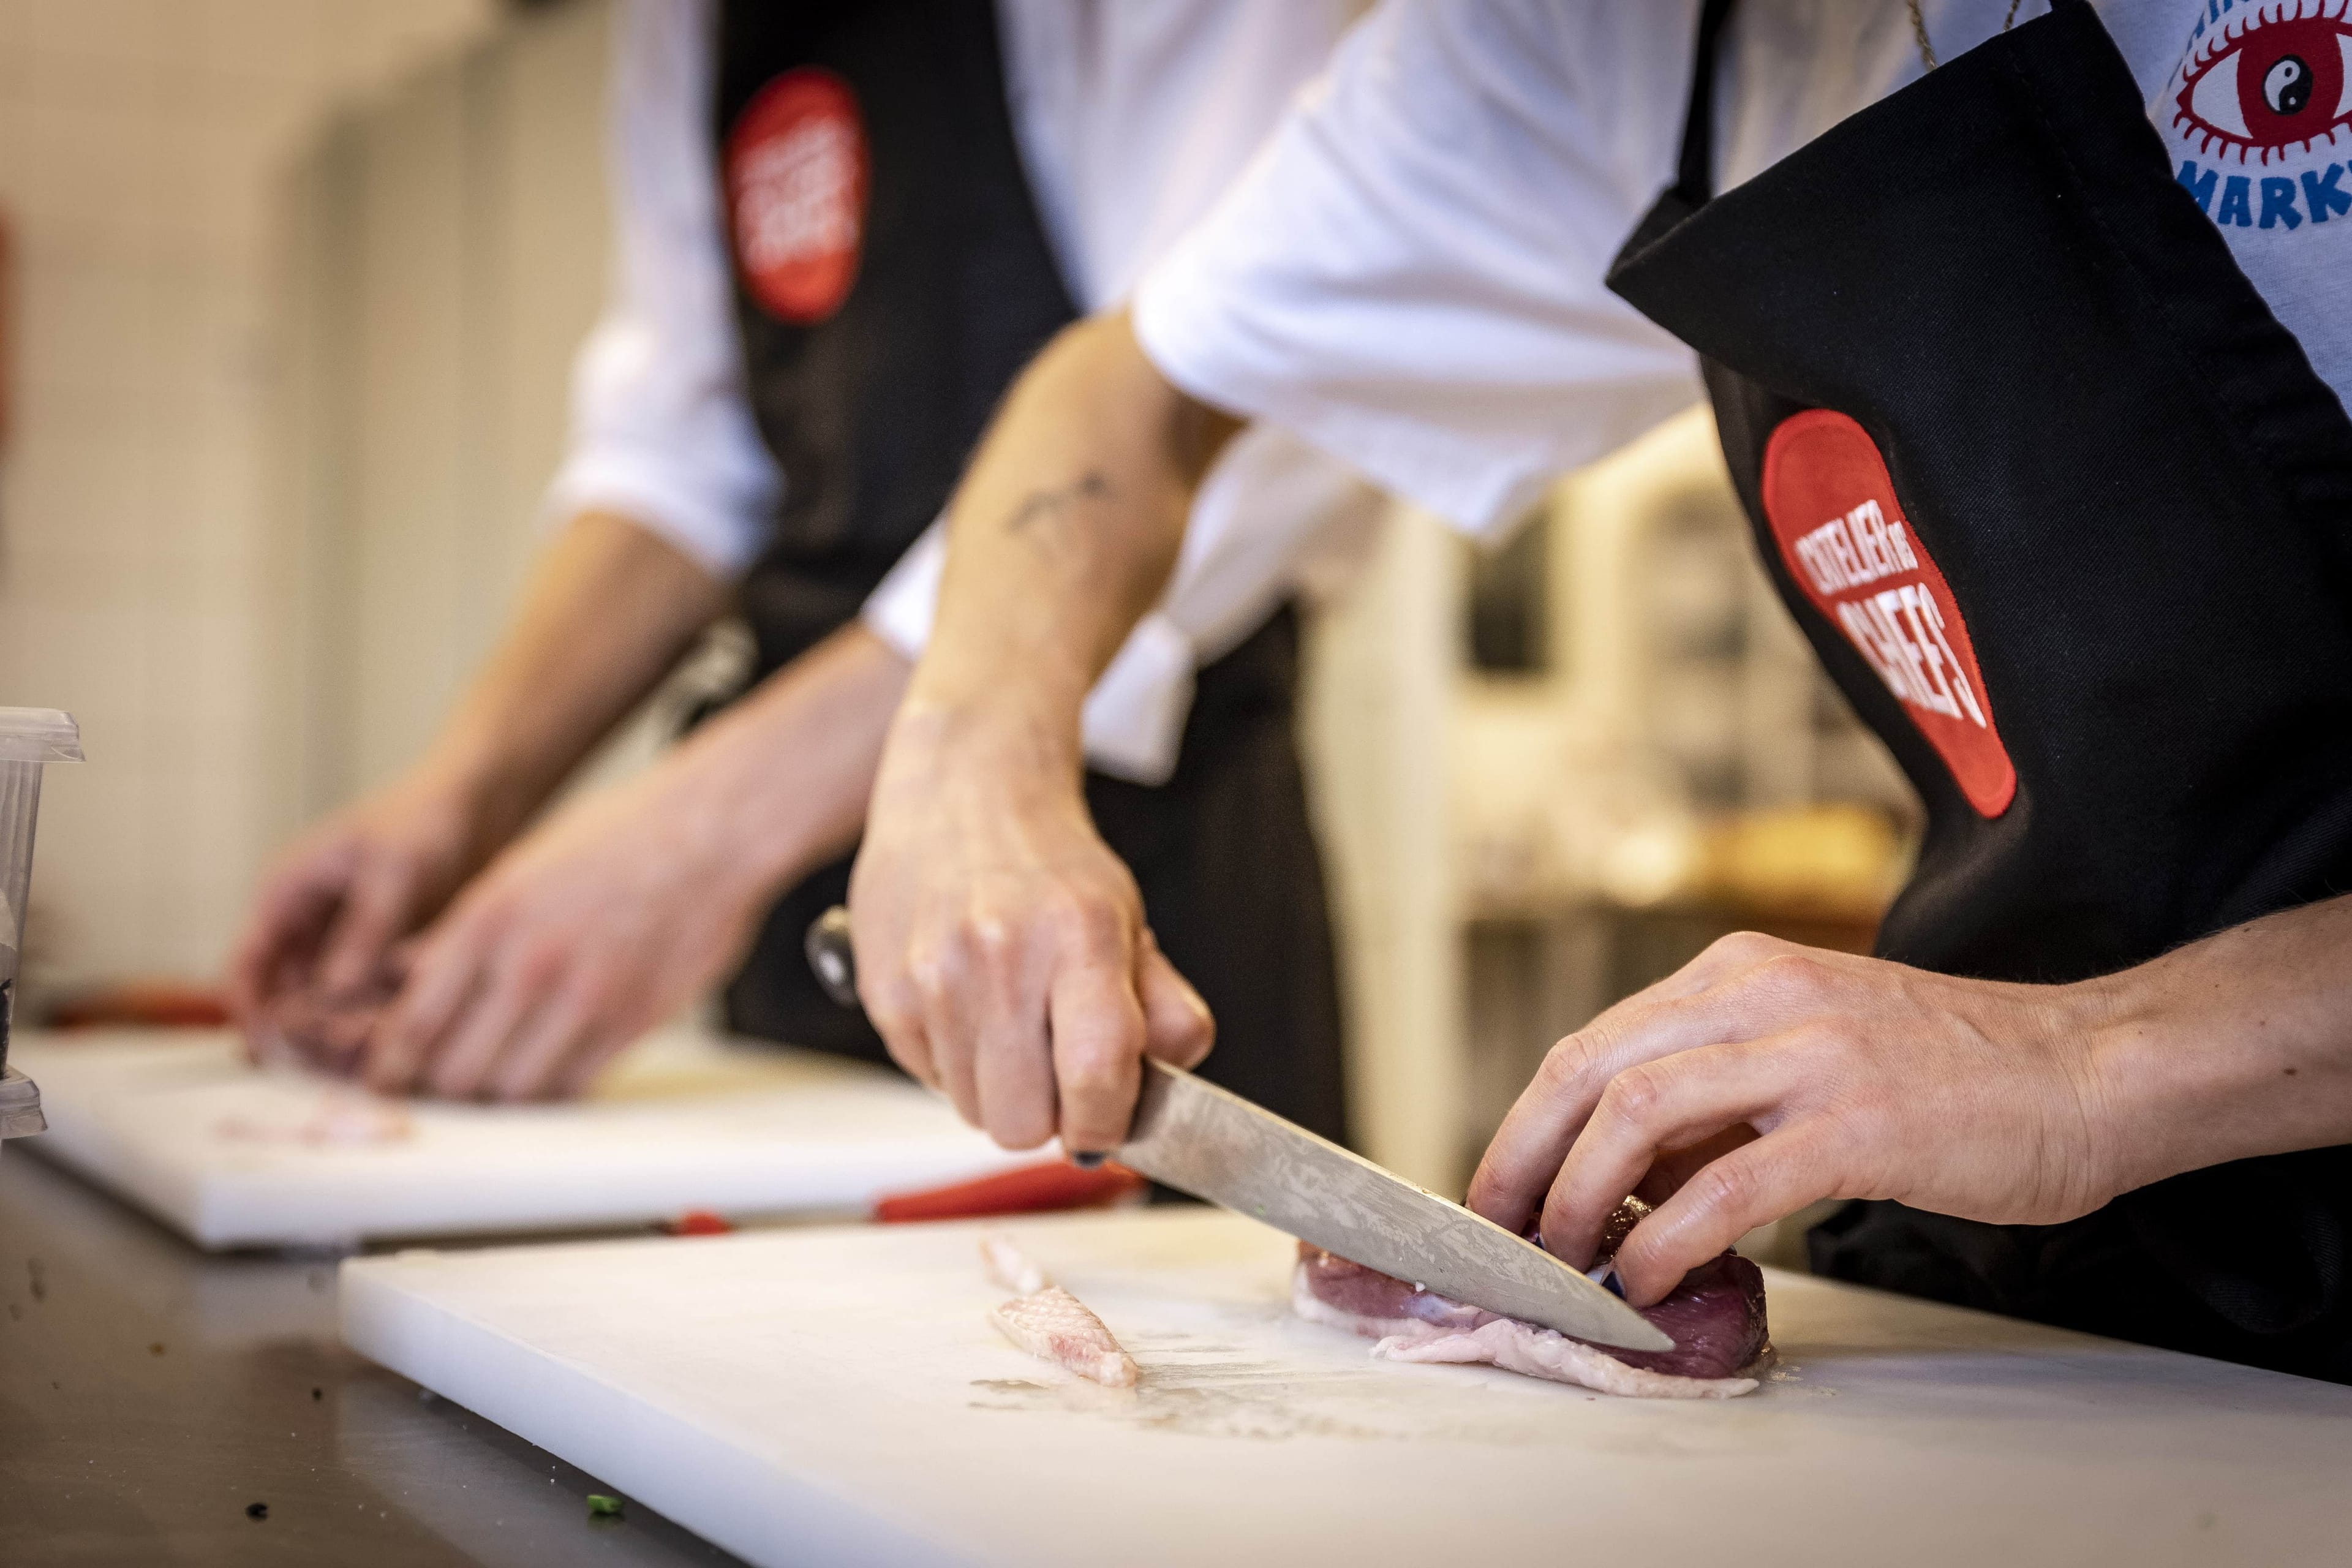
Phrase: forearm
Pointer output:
(777, 784)
(1001, 948)
(1061, 537)
(609, 609)
(2233, 1046)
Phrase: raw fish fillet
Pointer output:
(1056, 1326)
(1716, 1317)
(1008, 1266)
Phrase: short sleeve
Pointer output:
(1411, 274)
(661, 428)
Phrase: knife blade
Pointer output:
(1208, 1141)
(1211, 1142)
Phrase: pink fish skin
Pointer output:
(1056, 1326)
(1716, 1317)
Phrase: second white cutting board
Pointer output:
(178, 1123)
(836, 1395)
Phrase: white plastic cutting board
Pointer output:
(834, 1396)
(683, 1120)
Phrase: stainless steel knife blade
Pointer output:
(1211, 1142)
(1208, 1141)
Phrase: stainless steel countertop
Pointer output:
(149, 1393)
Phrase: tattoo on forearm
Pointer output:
(1049, 507)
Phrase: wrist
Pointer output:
(2233, 1046)
(1014, 739)
(778, 784)
(481, 789)
(2166, 1066)
(2108, 1027)
(748, 828)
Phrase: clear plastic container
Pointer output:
(30, 739)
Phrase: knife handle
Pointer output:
(835, 960)
(831, 955)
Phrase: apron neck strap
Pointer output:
(1695, 171)
(1695, 178)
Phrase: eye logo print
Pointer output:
(2271, 82)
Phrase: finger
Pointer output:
(441, 981)
(336, 1039)
(1745, 1003)
(1013, 1081)
(1650, 1107)
(459, 1067)
(900, 1025)
(893, 1004)
(878, 963)
(1542, 1124)
(247, 980)
(289, 915)
(267, 1041)
(910, 1048)
(1178, 1028)
(895, 1010)
(1754, 1184)
(528, 1067)
(576, 1077)
(573, 1037)
(945, 977)
(1004, 1015)
(374, 914)
(1097, 1050)
(1672, 1167)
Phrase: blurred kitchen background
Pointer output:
(291, 288)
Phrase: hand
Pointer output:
(335, 902)
(600, 922)
(1765, 1076)
(1002, 949)
(586, 932)
(608, 609)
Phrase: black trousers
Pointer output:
(1232, 883)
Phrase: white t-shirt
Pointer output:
(1411, 275)
(1132, 116)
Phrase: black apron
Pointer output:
(2065, 513)
(891, 277)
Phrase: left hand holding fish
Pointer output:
(1765, 1076)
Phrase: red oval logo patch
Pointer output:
(796, 177)
(1831, 506)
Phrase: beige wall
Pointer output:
(141, 146)
(444, 254)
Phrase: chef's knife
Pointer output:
(1211, 1142)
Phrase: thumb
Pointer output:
(1178, 1028)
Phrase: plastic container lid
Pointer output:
(38, 735)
